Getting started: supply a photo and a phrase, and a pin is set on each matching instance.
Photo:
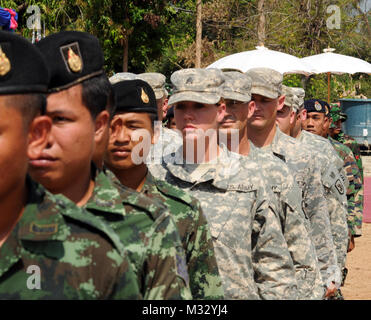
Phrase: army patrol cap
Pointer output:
(316, 105)
(134, 96)
(300, 94)
(197, 85)
(72, 58)
(157, 82)
(237, 86)
(22, 66)
(291, 99)
(266, 82)
(121, 76)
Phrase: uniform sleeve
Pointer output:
(315, 206)
(274, 273)
(354, 196)
(126, 287)
(166, 274)
(301, 248)
(205, 281)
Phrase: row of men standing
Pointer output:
(266, 220)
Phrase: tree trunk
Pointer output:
(125, 60)
(261, 25)
(198, 34)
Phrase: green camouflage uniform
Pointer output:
(251, 252)
(79, 256)
(204, 279)
(352, 145)
(336, 114)
(314, 204)
(335, 190)
(355, 188)
(295, 225)
(149, 235)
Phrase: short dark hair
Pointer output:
(96, 94)
(29, 105)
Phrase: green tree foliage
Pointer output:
(161, 33)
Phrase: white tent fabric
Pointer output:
(336, 63)
(262, 57)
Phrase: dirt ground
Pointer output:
(358, 282)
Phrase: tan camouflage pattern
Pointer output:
(295, 225)
(198, 85)
(237, 86)
(335, 193)
(300, 94)
(121, 76)
(204, 278)
(266, 82)
(252, 254)
(291, 99)
(355, 188)
(314, 204)
(156, 81)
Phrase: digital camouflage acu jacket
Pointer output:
(295, 225)
(204, 279)
(251, 252)
(149, 235)
(335, 190)
(308, 178)
(355, 188)
(60, 251)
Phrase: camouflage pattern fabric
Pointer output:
(156, 81)
(295, 225)
(168, 141)
(149, 235)
(355, 188)
(251, 252)
(76, 259)
(266, 82)
(335, 191)
(314, 204)
(194, 84)
(204, 279)
(352, 145)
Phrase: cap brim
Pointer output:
(200, 97)
(236, 96)
(265, 93)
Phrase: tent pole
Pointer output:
(328, 86)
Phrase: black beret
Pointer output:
(316, 105)
(22, 66)
(134, 96)
(72, 58)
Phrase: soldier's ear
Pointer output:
(251, 109)
(221, 111)
(101, 123)
(38, 136)
(281, 102)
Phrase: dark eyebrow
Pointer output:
(58, 112)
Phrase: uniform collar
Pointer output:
(40, 221)
(106, 196)
(219, 173)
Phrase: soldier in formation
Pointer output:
(106, 202)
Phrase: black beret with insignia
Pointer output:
(22, 66)
(315, 105)
(134, 96)
(72, 58)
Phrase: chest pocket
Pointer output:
(232, 226)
